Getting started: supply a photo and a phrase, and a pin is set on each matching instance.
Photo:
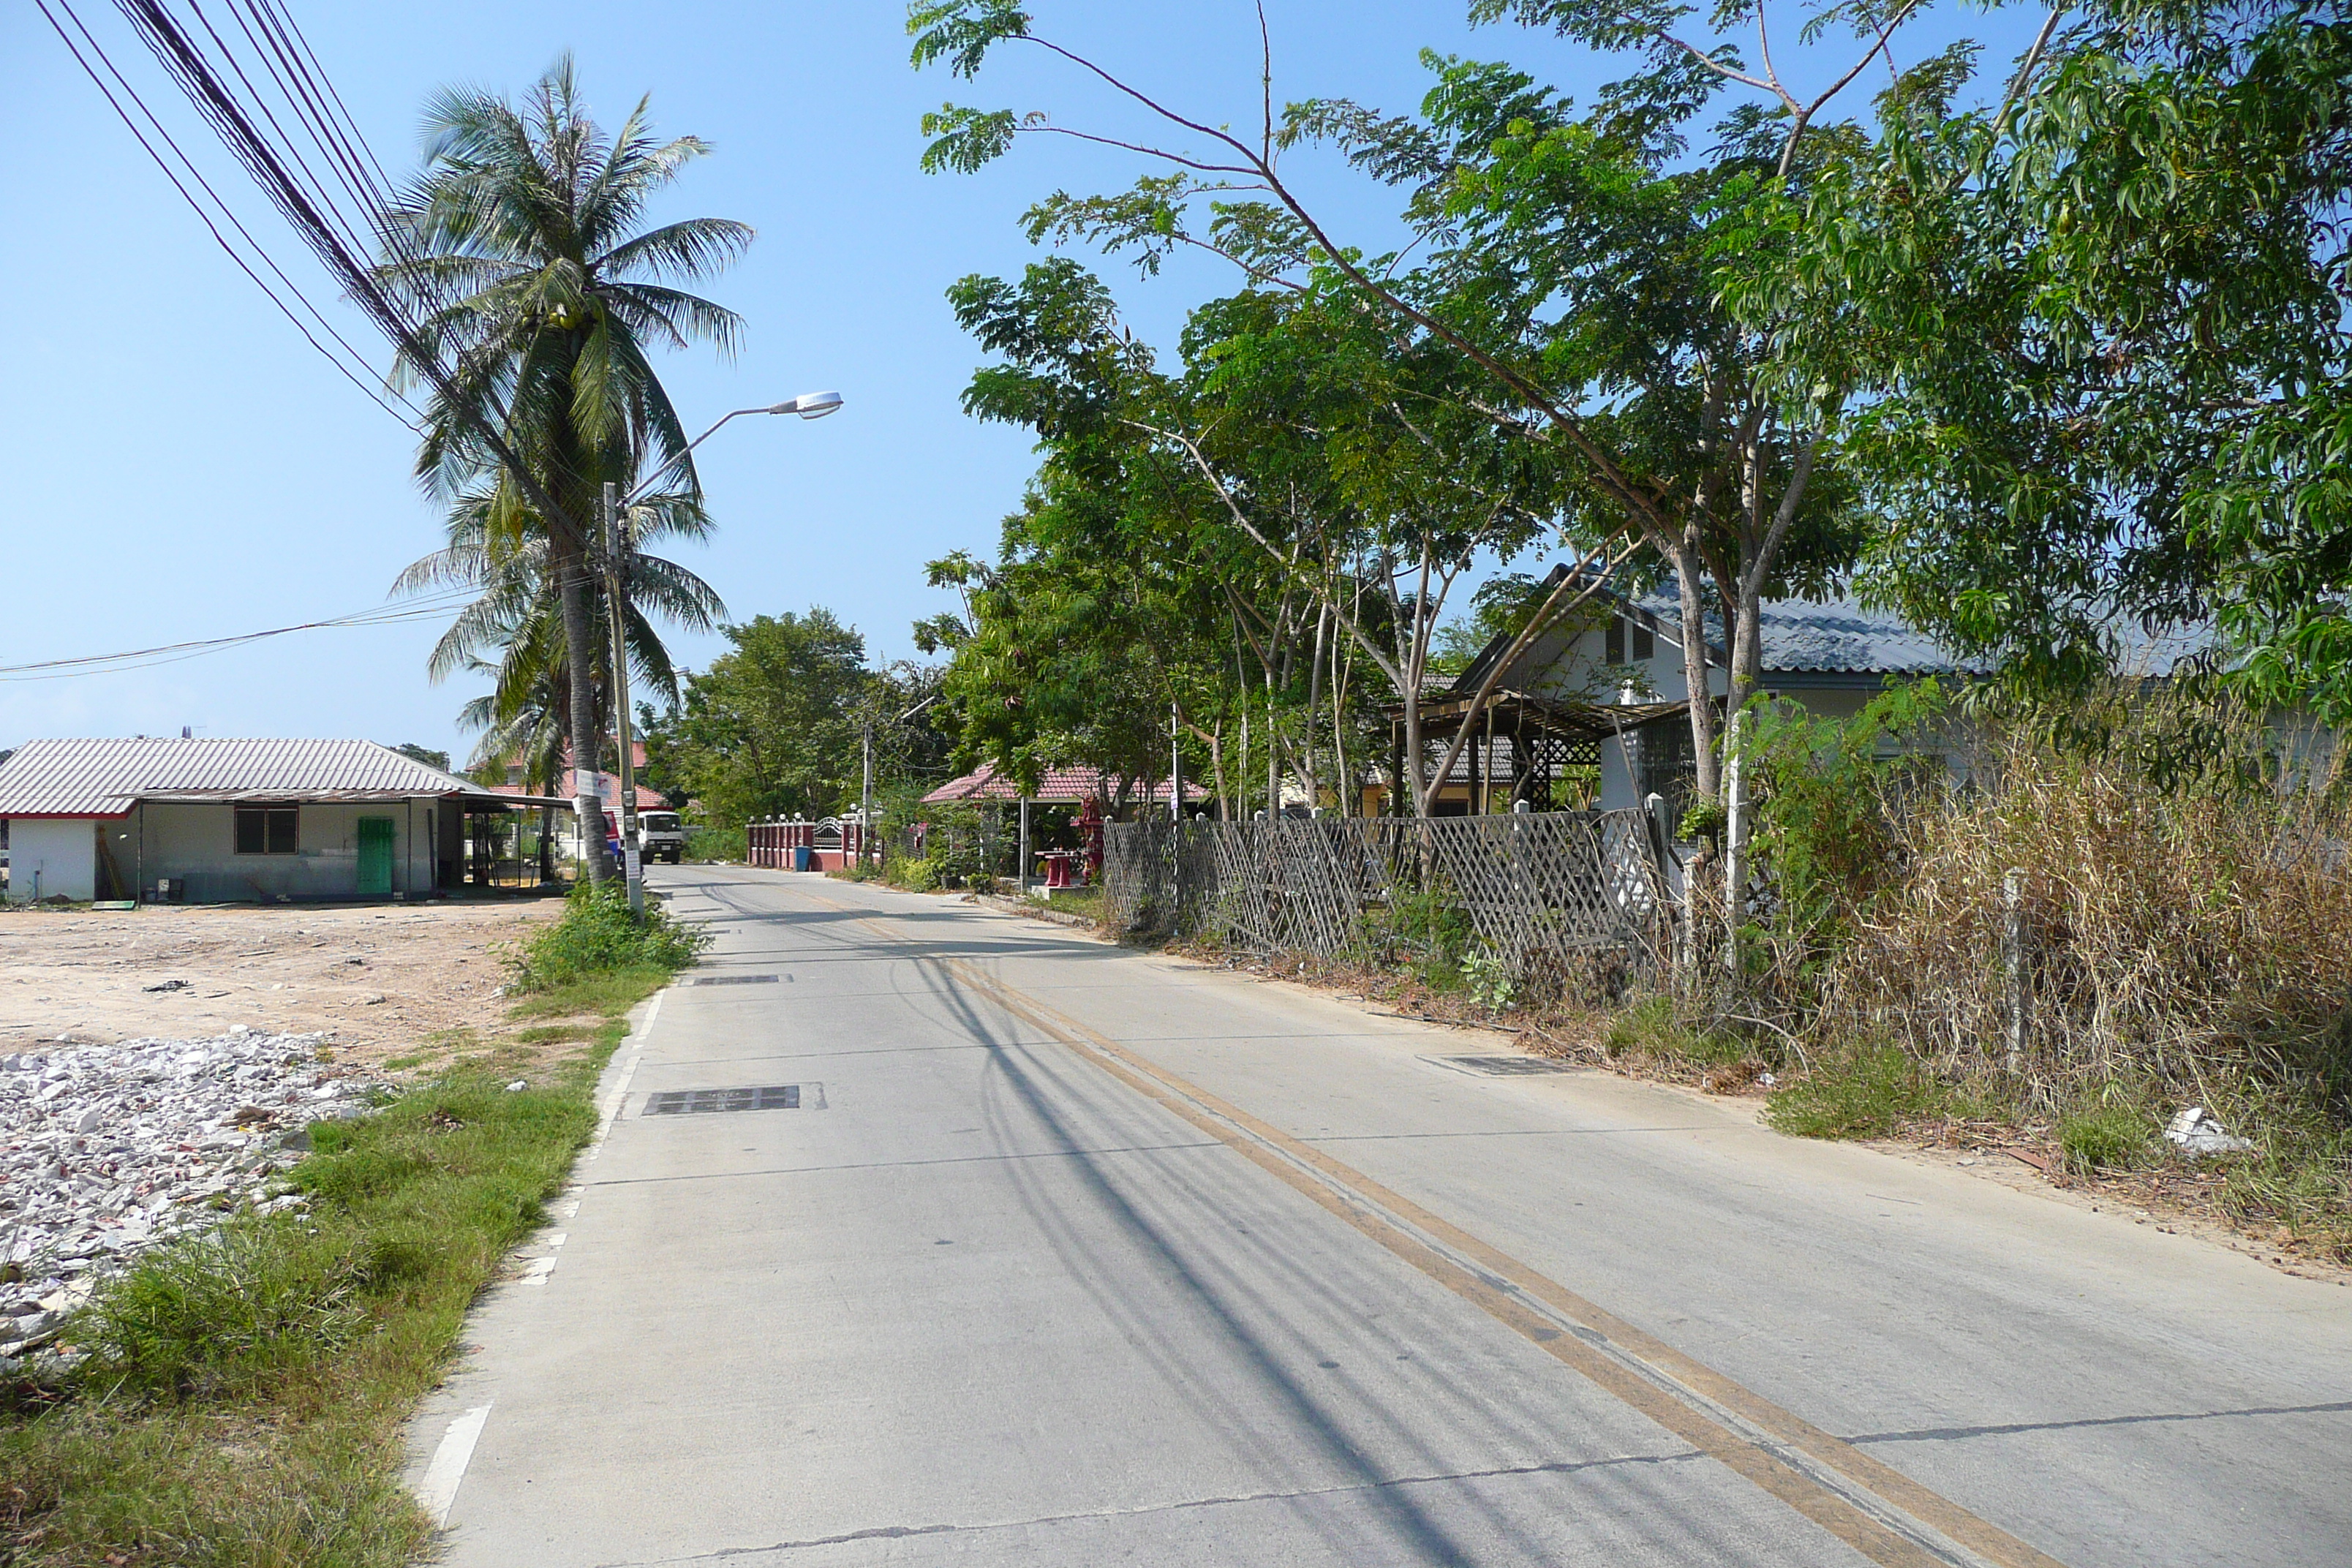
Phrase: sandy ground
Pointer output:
(381, 979)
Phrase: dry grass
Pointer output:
(2190, 942)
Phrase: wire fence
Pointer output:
(1533, 893)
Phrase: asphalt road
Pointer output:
(1065, 1255)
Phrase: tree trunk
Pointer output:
(587, 738)
(1695, 679)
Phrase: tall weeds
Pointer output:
(2187, 899)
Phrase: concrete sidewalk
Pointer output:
(1070, 1255)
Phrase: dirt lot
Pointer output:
(382, 979)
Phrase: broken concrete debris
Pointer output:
(109, 1150)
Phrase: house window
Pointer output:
(1645, 644)
(1615, 651)
(266, 830)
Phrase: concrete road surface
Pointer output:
(1036, 1251)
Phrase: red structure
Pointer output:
(778, 844)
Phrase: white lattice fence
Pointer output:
(1537, 888)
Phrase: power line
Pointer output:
(429, 607)
(205, 217)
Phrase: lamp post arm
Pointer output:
(659, 474)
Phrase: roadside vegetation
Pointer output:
(2182, 938)
(239, 1399)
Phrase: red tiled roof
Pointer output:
(1056, 786)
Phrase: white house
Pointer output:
(227, 821)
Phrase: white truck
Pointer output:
(661, 836)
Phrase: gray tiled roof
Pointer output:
(1841, 636)
(1835, 635)
(105, 777)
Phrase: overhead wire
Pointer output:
(333, 213)
(364, 378)
(426, 607)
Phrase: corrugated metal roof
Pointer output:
(105, 777)
(1056, 786)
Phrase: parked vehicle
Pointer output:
(661, 836)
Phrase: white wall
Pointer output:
(49, 855)
(199, 842)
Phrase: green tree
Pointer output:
(1574, 258)
(518, 244)
(425, 755)
(2103, 329)
(772, 727)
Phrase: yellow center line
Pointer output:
(1682, 1395)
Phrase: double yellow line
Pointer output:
(1882, 1513)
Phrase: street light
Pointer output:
(808, 405)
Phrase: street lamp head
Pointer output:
(809, 404)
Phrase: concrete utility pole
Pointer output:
(1175, 770)
(865, 795)
(616, 597)
(1735, 840)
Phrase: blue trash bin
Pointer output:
(803, 858)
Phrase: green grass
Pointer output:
(553, 1034)
(1653, 1025)
(614, 992)
(1873, 1093)
(242, 1402)
(2105, 1138)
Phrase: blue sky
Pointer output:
(185, 466)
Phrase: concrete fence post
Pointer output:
(2021, 985)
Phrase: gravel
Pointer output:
(107, 1150)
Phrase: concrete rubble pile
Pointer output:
(107, 1150)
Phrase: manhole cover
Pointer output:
(699, 1101)
(737, 980)
(1501, 1067)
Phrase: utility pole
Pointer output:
(1175, 770)
(865, 795)
(615, 597)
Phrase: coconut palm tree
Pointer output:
(517, 248)
(512, 633)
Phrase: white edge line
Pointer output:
(621, 1088)
(438, 1490)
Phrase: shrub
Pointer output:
(916, 873)
(710, 844)
(598, 935)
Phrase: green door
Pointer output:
(375, 857)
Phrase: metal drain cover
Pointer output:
(699, 1101)
(737, 980)
(1501, 1067)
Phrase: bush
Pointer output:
(599, 936)
(705, 844)
(915, 873)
